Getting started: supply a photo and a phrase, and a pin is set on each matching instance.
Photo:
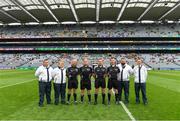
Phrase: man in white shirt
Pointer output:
(123, 78)
(59, 76)
(44, 74)
(140, 73)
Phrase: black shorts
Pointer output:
(112, 83)
(100, 83)
(72, 84)
(86, 84)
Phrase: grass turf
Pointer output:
(19, 102)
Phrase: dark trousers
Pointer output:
(123, 85)
(59, 90)
(44, 89)
(142, 87)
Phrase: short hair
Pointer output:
(45, 60)
(123, 58)
(112, 58)
(139, 59)
(61, 60)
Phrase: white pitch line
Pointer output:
(127, 111)
(16, 84)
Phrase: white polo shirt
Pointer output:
(59, 75)
(143, 74)
(126, 72)
(42, 73)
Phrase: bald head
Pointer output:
(74, 62)
(85, 62)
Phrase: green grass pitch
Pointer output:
(19, 100)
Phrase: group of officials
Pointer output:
(118, 80)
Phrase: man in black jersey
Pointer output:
(72, 74)
(112, 71)
(100, 72)
(86, 73)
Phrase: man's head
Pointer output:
(74, 62)
(85, 62)
(123, 61)
(45, 63)
(139, 61)
(112, 61)
(100, 62)
(61, 63)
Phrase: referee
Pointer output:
(44, 74)
(86, 73)
(72, 74)
(100, 74)
(140, 73)
(112, 71)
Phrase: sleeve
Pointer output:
(105, 70)
(118, 70)
(78, 73)
(91, 70)
(108, 70)
(145, 72)
(131, 70)
(80, 70)
(53, 73)
(38, 72)
(95, 70)
(67, 72)
(119, 67)
(106, 73)
(134, 70)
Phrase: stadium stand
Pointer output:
(110, 30)
(153, 61)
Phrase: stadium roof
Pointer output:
(87, 11)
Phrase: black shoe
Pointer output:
(137, 102)
(109, 103)
(117, 102)
(48, 103)
(103, 103)
(81, 102)
(75, 102)
(68, 103)
(126, 102)
(41, 105)
(145, 103)
(56, 103)
(62, 102)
